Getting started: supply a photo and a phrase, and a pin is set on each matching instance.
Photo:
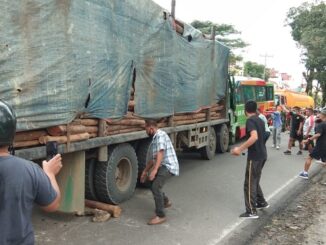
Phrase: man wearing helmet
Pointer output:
(22, 183)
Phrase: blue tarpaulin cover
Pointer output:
(63, 58)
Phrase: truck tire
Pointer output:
(89, 179)
(142, 151)
(115, 180)
(208, 151)
(232, 138)
(222, 138)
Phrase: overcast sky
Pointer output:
(261, 23)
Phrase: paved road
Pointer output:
(207, 199)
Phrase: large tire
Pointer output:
(142, 151)
(208, 151)
(115, 180)
(222, 138)
(89, 179)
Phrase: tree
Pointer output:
(253, 69)
(308, 24)
(223, 34)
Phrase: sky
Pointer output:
(261, 23)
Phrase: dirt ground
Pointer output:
(303, 221)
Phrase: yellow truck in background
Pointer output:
(290, 99)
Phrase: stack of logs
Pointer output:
(78, 130)
(84, 129)
(132, 123)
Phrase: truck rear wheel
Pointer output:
(142, 152)
(89, 179)
(208, 151)
(115, 180)
(222, 138)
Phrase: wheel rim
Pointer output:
(123, 174)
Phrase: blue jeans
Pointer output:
(277, 136)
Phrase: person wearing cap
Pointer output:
(295, 129)
(319, 151)
(22, 183)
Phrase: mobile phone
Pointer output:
(51, 149)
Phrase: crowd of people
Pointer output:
(308, 127)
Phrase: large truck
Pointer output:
(85, 74)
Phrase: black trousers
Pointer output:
(253, 194)
(159, 196)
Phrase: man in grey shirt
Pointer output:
(22, 183)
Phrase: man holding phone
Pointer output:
(22, 183)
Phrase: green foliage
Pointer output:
(253, 69)
(223, 32)
(308, 24)
(227, 35)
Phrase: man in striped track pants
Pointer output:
(257, 155)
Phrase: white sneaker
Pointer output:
(273, 146)
(277, 147)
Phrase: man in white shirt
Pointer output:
(309, 128)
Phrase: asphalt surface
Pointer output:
(207, 199)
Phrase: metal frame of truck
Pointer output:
(208, 136)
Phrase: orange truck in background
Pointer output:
(290, 99)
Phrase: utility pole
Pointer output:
(265, 56)
(173, 3)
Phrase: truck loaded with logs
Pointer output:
(86, 75)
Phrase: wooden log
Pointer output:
(102, 153)
(101, 216)
(179, 27)
(28, 143)
(76, 122)
(183, 117)
(183, 122)
(114, 210)
(64, 139)
(115, 127)
(111, 128)
(129, 122)
(62, 130)
(29, 135)
(131, 105)
(162, 125)
(92, 129)
(123, 131)
(93, 135)
(164, 120)
(89, 122)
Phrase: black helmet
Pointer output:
(7, 124)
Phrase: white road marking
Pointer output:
(232, 227)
